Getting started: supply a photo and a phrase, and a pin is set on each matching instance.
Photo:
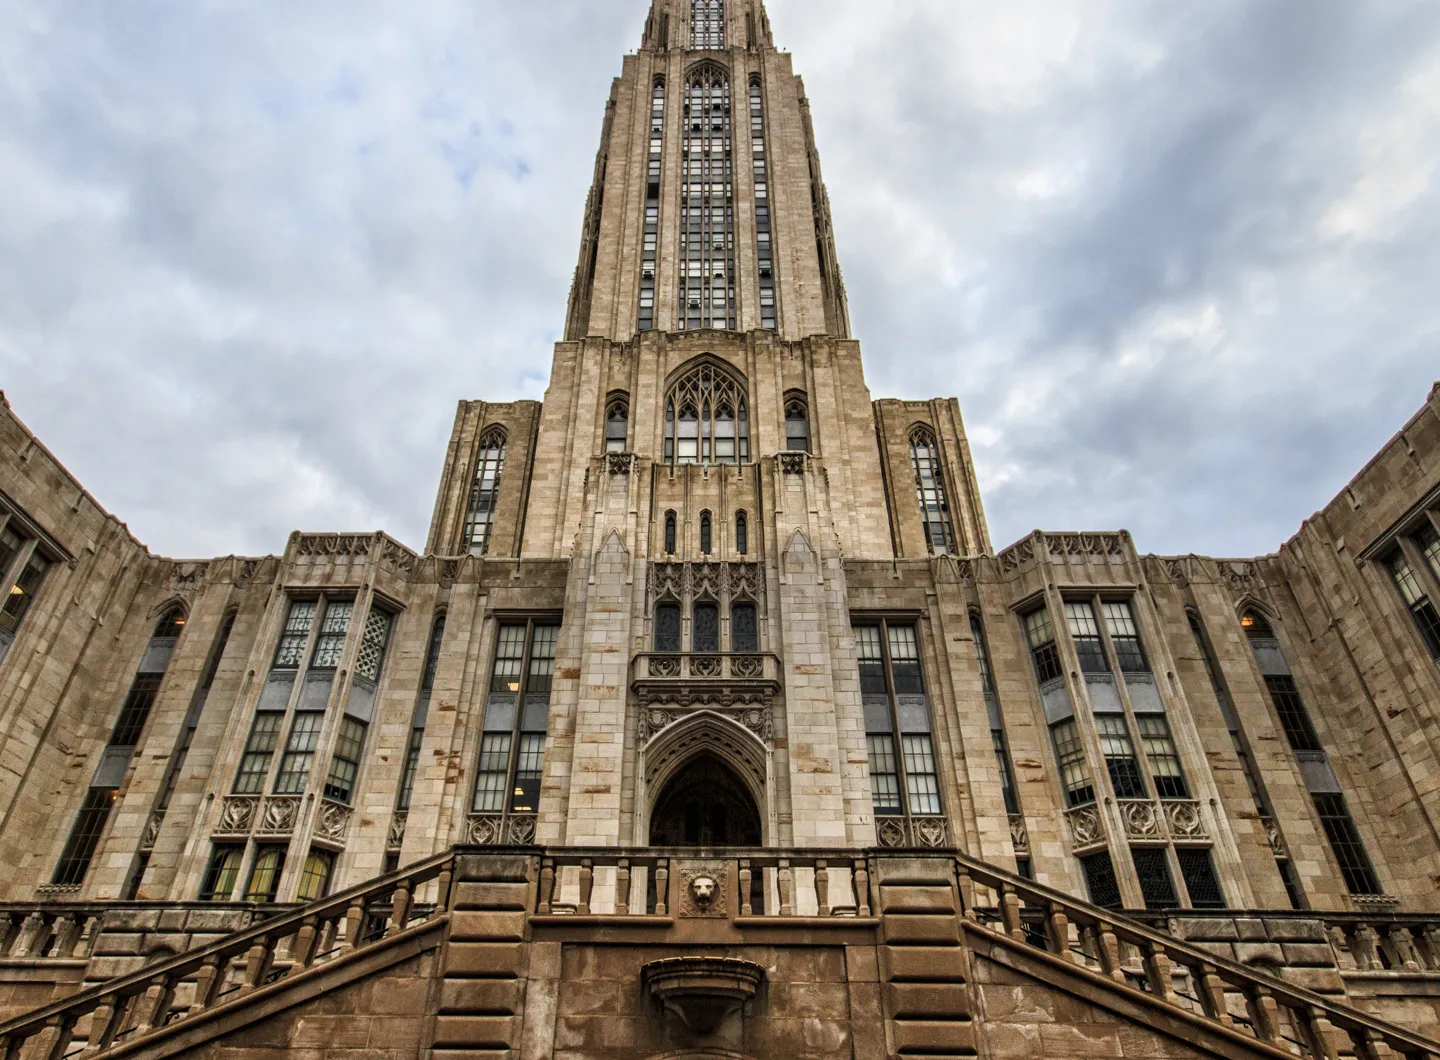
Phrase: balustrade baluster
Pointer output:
(354, 917)
(1321, 1034)
(62, 936)
(1374, 1047)
(1160, 973)
(967, 894)
(587, 886)
(662, 887)
(1340, 946)
(1211, 990)
(28, 942)
(822, 889)
(102, 1022)
(1367, 949)
(622, 888)
(1109, 954)
(1060, 933)
(861, 883)
(1403, 946)
(547, 886)
(1431, 935)
(1264, 1013)
(746, 909)
(442, 892)
(257, 964)
(205, 982)
(302, 949)
(51, 1041)
(399, 908)
(786, 906)
(152, 1005)
(1010, 912)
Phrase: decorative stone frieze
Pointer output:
(279, 815)
(332, 821)
(1085, 825)
(237, 815)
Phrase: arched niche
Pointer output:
(705, 804)
(706, 752)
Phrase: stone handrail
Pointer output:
(1222, 991)
(68, 931)
(129, 1007)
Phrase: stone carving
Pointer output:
(397, 557)
(1179, 571)
(793, 463)
(1062, 546)
(1239, 576)
(890, 831)
(334, 545)
(1272, 833)
(619, 463)
(152, 830)
(747, 666)
(1085, 825)
(449, 572)
(246, 574)
(1019, 835)
(1183, 819)
(1140, 819)
(664, 666)
(485, 829)
(655, 719)
(237, 814)
(279, 815)
(703, 890)
(395, 839)
(520, 830)
(928, 831)
(332, 821)
(187, 577)
(705, 666)
(1014, 557)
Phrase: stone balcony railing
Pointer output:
(697, 678)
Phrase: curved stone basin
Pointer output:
(702, 991)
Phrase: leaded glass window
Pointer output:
(797, 427)
(930, 489)
(1100, 879)
(897, 715)
(1294, 717)
(517, 716)
(764, 243)
(136, 710)
(1041, 637)
(667, 628)
(1080, 619)
(345, 763)
(1428, 541)
(742, 534)
(669, 533)
(1164, 759)
(1125, 637)
(1198, 870)
(1119, 752)
(299, 755)
(485, 494)
(1347, 845)
(707, 534)
(1074, 771)
(372, 645)
(259, 750)
(1427, 621)
(84, 837)
(22, 593)
(707, 419)
(744, 630)
(221, 873)
(334, 627)
(315, 875)
(707, 209)
(650, 246)
(707, 24)
(1152, 865)
(705, 635)
(298, 622)
(265, 874)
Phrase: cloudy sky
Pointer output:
(1177, 260)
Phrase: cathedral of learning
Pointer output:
(709, 722)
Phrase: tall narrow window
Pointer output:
(418, 719)
(22, 593)
(744, 632)
(291, 650)
(617, 427)
(517, 714)
(1164, 760)
(1119, 754)
(1074, 772)
(1198, 870)
(259, 750)
(764, 247)
(930, 489)
(372, 646)
(1294, 717)
(742, 534)
(485, 494)
(707, 419)
(997, 728)
(707, 24)
(797, 427)
(669, 533)
(294, 773)
(667, 628)
(1080, 619)
(705, 634)
(84, 837)
(265, 874)
(1345, 841)
(334, 628)
(315, 875)
(651, 234)
(1100, 879)
(706, 534)
(1041, 637)
(136, 710)
(707, 209)
(1120, 624)
(345, 763)
(1152, 865)
(1421, 609)
(892, 689)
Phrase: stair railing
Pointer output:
(1180, 974)
(130, 1007)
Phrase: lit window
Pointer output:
(265, 874)
(930, 489)
(22, 593)
(485, 494)
(221, 874)
(516, 721)
(315, 875)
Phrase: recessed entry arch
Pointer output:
(705, 782)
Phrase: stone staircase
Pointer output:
(460, 957)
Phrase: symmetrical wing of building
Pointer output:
(709, 721)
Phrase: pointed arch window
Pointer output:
(617, 426)
(485, 493)
(706, 634)
(707, 24)
(930, 489)
(707, 419)
(797, 425)
(744, 629)
(707, 535)
(742, 534)
(667, 627)
(651, 234)
(670, 533)
(707, 209)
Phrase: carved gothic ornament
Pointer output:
(237, 814)
(395, 838)
(706, 731)
(702, 679)
(1183, 819)
(927, 832)
(279, 815)
(494, 829)
(722, 582)
(1140, 819)
(1276, 840)
(332, 821)
(1240, 576)
(1016, 556)
(619, 463)
(1078, 546)
(891, 832)
(188, 577)
(656, 719)
(1178, 570)
(1019, 835)
(1085, 825)
(793, 463)
(152, 830)
(396, 557)
(339, 545)
(704, 889)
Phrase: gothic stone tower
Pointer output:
(709, 659)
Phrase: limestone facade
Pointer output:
(709, 593)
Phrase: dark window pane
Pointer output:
(298, 622)
(669, 533)
(1153, 868)
(221, 874)
(884, 774)
(136, 711)
(706, 534)
(1345, 841)
(432, 654)
(1100, 878)
(667, 627)
(485, 494)
(742, 534)
(84, 837)
(1200, 879)
(1294, 718)
(706, 634)
(744, 629)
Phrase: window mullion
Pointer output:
(1420, 567)
(902, 780)
(17, 566)
(516, 730)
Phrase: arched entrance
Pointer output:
(705, 805)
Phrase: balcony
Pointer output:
(694, 679)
